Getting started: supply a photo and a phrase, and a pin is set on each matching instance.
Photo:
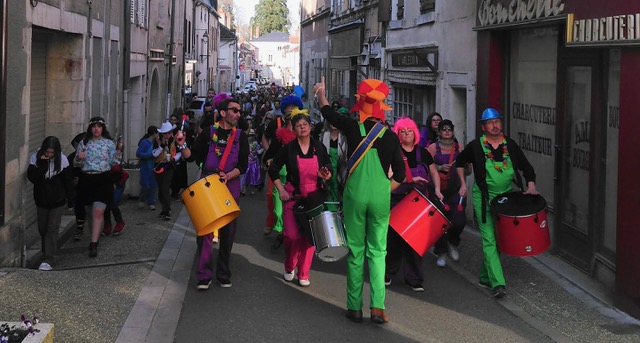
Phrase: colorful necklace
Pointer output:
(489, 153)
(214, 139)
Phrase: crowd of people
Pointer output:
(301, 152)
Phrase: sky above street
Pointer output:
(246, 9)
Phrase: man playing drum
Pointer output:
(497, 161)
(367, 192)
(224, 150)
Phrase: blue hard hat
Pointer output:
(490, 113)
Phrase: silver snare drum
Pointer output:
(327, 231)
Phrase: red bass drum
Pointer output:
(521, 224)
(418, 221)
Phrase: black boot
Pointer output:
(93, 249)
(277, 243)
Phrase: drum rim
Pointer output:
(528, 214)
(519, 215)
(432, 204)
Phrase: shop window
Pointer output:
(402, 102)
(611, 158)
(400, 13)
(531, 112)
(427, 6)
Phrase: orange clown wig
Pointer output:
(370, 99)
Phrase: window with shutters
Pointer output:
(400, 13)
(402, 102)
(132, 10)
(427, 6)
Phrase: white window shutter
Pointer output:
(132, 10)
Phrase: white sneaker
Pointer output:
(152, 207)
(453, 252)
(288, 276)
(45, 266)
(304, 283)
(441, 261)
(215, 240)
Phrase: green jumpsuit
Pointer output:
(498, 182)
(366, 217)
(278, 226)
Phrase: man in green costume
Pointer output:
(367, 194)
(496, 160)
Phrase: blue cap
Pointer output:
(490, 113)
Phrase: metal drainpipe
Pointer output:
(208, 52)
(126, 82)
(89, 62)
(170, 64)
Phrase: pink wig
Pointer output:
(407, 123)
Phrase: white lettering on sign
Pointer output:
(607, 29)
(490, 13)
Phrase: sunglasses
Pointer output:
(233, 109)
(445, 129)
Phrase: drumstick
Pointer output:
(460, 205)
(446, 207)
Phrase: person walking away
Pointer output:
(366, 218)
(445, 151)
(148, 187)
(53, 187)
(497, 162)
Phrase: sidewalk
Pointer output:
(133, 291)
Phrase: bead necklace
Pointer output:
(489, 153)
(214, 139)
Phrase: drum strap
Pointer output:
(227, 150)
(365, 144)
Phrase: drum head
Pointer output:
(312, 202)
(514, 204)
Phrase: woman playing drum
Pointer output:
(417, 160)
(444, 152)
(307, 163)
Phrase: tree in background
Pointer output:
(271, 16)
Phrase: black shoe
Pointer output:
(354, 315)
(78, 235)
(277, 243)
(387, 281)
(167, 216)
(499, 292)
(260, 187)
(224, 283)
(93, 249)
(162, 214)
(203, 285)
(416, 288)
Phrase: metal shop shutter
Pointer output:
(37, 118)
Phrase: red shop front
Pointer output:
(564, 73)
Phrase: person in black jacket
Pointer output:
(367, 194)
(53, 187)
(497, 161)
(307, 163)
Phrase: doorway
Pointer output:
(580, 106)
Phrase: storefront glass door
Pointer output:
(575, 180)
